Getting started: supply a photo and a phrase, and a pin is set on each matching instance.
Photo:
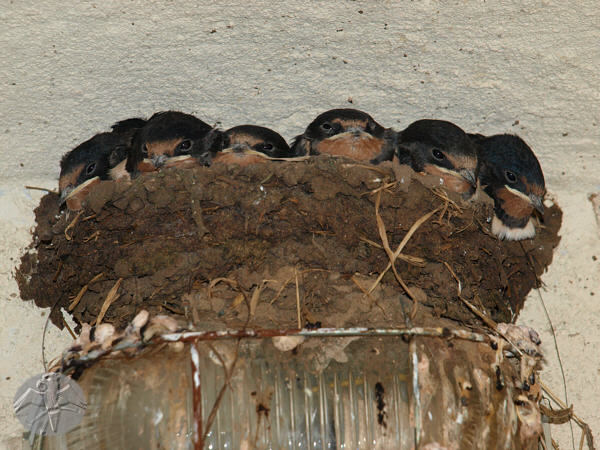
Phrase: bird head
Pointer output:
(342, 132)
(440, 148)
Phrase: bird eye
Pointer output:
(90, 168)
(184, 145)
(326, 126)
(437, 154)
(510, 177)
(267, 146)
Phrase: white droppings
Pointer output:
(196, 362)
(287, 343)
(195, 356)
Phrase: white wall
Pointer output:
(532, 68)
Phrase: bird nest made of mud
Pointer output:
(282, 244)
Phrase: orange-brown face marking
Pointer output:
(514, 205)
(363, 147)
(146, 166)
(75, 200)
(462, 161)
(455, 183)
(119, 172)
(304, 145)
(237, 158)
(244, 138)
(70, 178)
(349, 123)
(158, 148)
(534, 189)
(180, 162)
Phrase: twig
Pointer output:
(369, 167)
(72, 225)
(489, 322)
(458, 283)
(94, 236)
(454, 233)
(110, 297)
(256, 296)
(44, 334)
(288, 281)
(298, 299)
(73, 335)
(414, 260)
(82, 291)
(228, 374)
(283, 286)
(35, 188)
(365, 292)
(58, 269)
(394, 255)
(552, 331)
(444, 196)
(584, 426)
(381, 188)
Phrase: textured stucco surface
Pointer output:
(69, 71)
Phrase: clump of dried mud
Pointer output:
(279, 240)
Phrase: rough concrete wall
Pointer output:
(527, 67)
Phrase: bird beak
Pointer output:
(537, 203)
(159, 160)
(469, 175)
(239, 148)
(356, 132)
(353, 132)
(65, 194)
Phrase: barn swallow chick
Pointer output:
(91, 162)
(169, 134)
(346, 132)
(511, 175)
(127, 128)
(440, 148)
(250, 144)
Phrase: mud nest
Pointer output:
(278, 244)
